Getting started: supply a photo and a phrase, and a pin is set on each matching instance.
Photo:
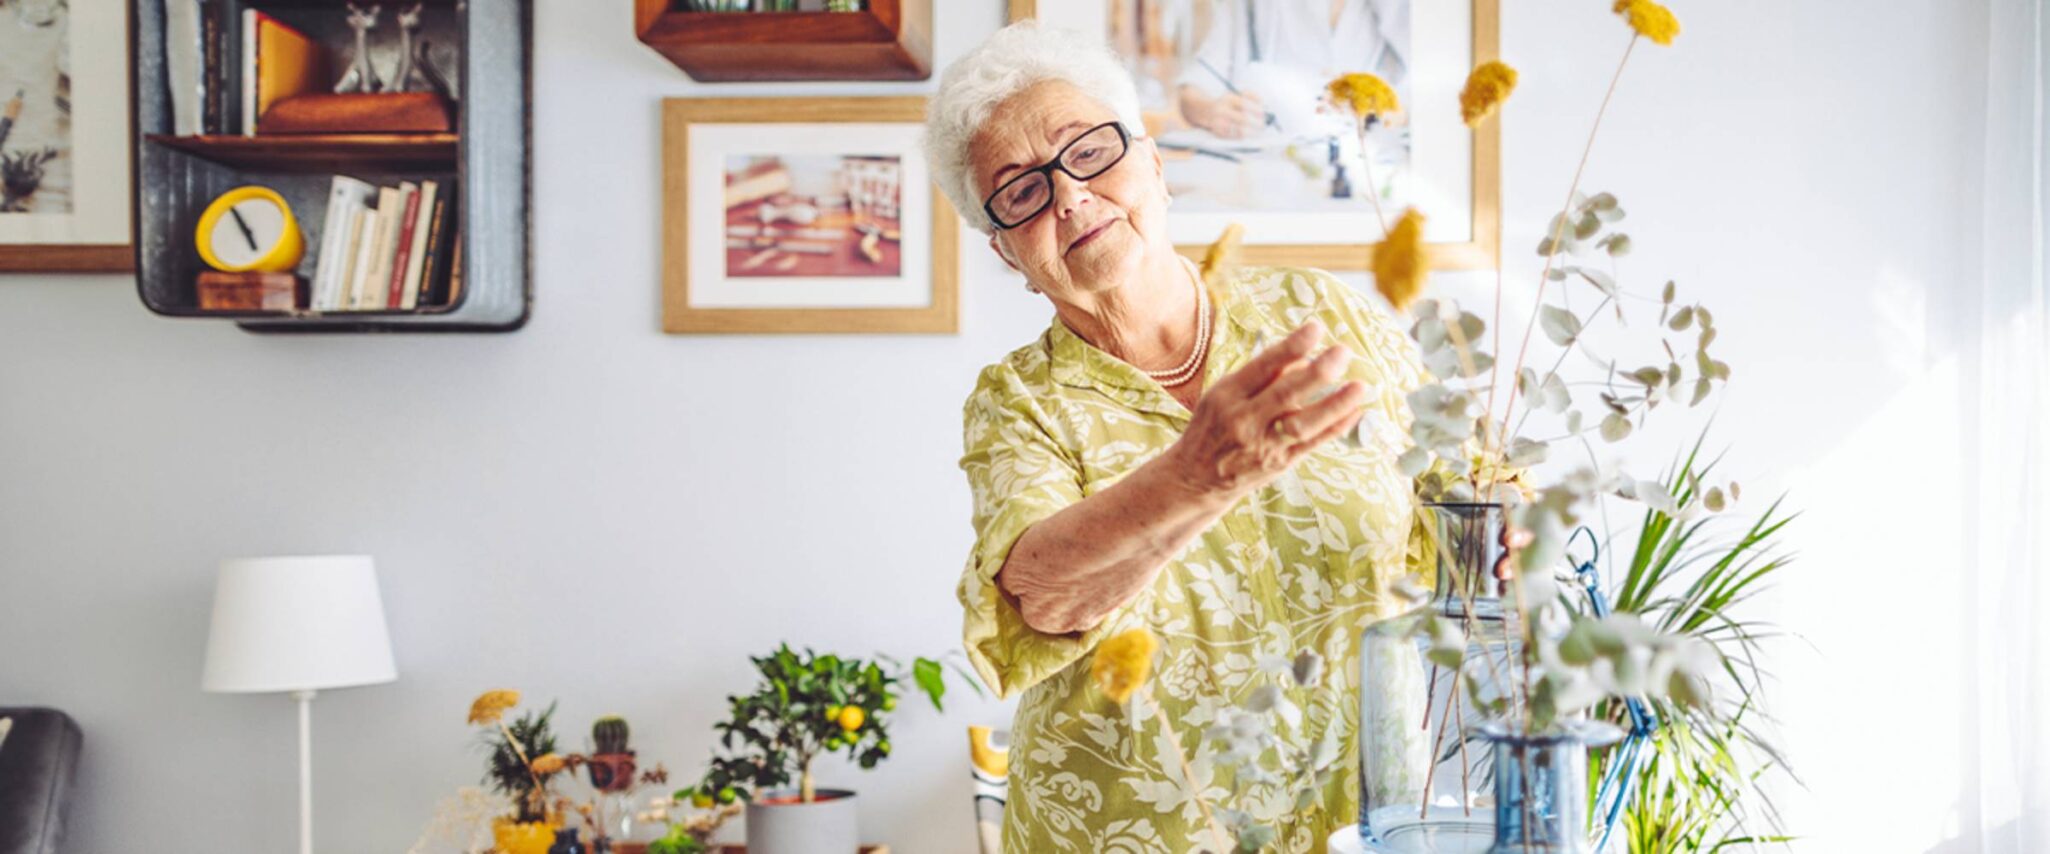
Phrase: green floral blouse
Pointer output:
(1305, 563)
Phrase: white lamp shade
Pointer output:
(297, 623)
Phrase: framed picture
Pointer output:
(64, 141)
(803, 215)
(1230, 90)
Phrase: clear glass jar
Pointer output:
(1424, 766)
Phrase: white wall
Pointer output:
(594, 511)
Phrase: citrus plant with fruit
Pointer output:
(806, 706)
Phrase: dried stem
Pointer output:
(1559, 230)
(1188, 773)
(1367, 166)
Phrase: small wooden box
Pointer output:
(220, 291)
(392, 112)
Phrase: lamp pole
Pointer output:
(305, 699)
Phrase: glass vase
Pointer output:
(1541, 786)
(1424, 766)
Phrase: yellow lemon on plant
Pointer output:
(889, 704)
(852, 717)
(701, 801)
(726, 795)
(832, 713)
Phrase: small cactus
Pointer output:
(609, 734)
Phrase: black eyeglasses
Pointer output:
(1026, 194)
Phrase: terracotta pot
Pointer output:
(779, 823)
(611, 772)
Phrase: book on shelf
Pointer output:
(185, 65)
(420, 222)
(389, 249)
(346, 196)
(278, 62)
(402, 246)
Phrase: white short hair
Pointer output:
(1012, 59)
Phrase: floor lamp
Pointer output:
(297, 625)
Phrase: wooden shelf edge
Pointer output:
(313, 151)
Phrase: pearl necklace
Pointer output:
(1187, 370)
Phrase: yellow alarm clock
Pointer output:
(250, 229)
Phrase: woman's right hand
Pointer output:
(1261, 419)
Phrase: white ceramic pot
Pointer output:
(778, 823)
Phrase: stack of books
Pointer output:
(387, 248)
(226, 67)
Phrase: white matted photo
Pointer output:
(64, 141)
(775, 222)
(1232, 91)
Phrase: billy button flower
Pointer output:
(1401, 261)
(1650, 20)
(1364, 94)
(1486, 88)
(1122, 663)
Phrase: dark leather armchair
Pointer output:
(38, 762)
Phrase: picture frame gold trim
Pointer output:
(1482, 252)
(678, 114)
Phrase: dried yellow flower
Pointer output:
(1364, 94)
(1401, 261)
(1486, 88)
(547, 763)
(1222, 255)
(491, 705)
(1122, 663)
(1650, 20)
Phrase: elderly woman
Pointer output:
(1146, 462)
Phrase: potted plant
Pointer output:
(806, 706)
(522, 765)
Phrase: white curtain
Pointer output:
(2005, 802)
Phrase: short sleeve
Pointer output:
(1018, 474)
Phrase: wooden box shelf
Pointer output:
(890, 40)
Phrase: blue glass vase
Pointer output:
(1541, 786)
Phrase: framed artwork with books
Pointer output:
(803, 215)
(1230, 91)
(64, 141)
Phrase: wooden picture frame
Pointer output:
(708, 291)
(90, 135)
(1480, 247)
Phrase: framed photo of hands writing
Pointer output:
(1232, 92)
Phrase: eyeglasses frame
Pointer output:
(1047, 169)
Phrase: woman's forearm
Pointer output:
(1075, 567)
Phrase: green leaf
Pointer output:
(1413, 462)
(1615, 427)
(1618, 245)
(926, 673)
(1560, 325)
(1254, 838)
(1682, 319)
(1602, 281)
(1668, 297)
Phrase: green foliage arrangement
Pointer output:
(1700, 788)
(806, 706)
(508, 768)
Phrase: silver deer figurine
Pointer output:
(361, 76)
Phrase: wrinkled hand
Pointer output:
(1263, 418)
